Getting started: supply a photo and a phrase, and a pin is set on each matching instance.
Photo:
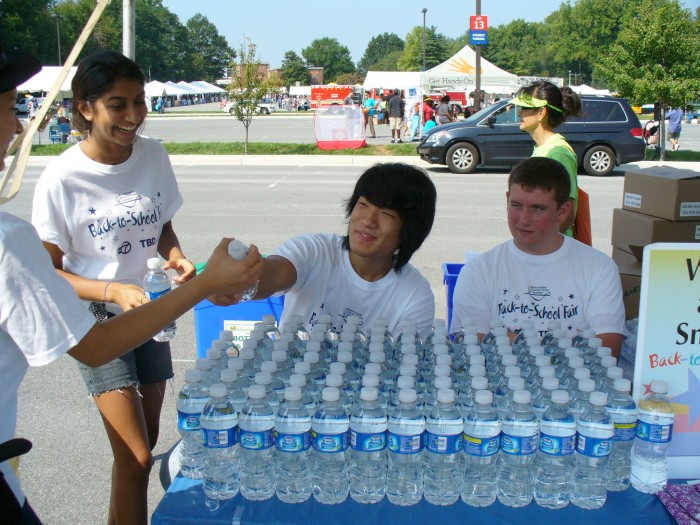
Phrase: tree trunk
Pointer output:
(662, 132)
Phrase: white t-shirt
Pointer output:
(328, 284)
(575, 283)
(106, 219)
(41, 318)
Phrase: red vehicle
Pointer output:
(329, 94)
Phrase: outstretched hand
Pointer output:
(184, 267)
(227, 277)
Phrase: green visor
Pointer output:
(528, 101)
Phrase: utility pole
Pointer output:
(477, 95)
(424, 11)
(129, 28)
(58, 36)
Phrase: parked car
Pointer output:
(23, 105)
(264, 108)
(606, 134)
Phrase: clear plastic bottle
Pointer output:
(518, 449)
(237, 395)
(237, 250)
(653, 435)
(367, 471)
(190, 403)
(257, 449)
(594, 443)
(293, 448)
(330, 438)
(555, 456)
(220, 440)
(156, 283)
(623, 411)
(481, 443)
(299, 380)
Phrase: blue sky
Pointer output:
(276, 27)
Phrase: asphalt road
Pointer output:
(67, 474)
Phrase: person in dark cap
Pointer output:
(42, 318)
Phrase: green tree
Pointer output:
(655, 57)
(377, 50)
(349, 78)
(510, 48)
(389, 62)
(209, 51)
(327, 53)
(29, 26)
(436, 49)
(294, 70)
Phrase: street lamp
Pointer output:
(425, 10)
(58, 35)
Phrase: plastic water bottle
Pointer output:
(220, 440)
(293, 444)
(236, 392)
(299, 380)
(554, 461)
(623, 412)
(157, 283)
(368, 424)
(257, 450)
(190, 403)
(404, 480)
(481, 442)
(237, 250)
(653, 435)
(593, 446)
(518, 448)
(329, 437)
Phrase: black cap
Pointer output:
(15, 68)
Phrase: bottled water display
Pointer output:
(623, 412)
(329, 437)
(404, 482)
(367, 471)
(237, 250)
(481, 443)
(293, 445)
(257, 450)
(219, 437)
(518, 448)
(593, 446)
(653, 435)
(157, 283)
(190, 403)
(554, 461)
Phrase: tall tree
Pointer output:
(30, 26)
(294, 70)
(327, 53)
(511, 48)
(209, 52)
(436, 49)
(378, 49)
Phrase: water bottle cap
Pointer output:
(370, 380)
(614, 372)
(313, 346)
(235, 363)
(512, 371)
(477, 371)
(302, 368)
(659, 387)
(311, 357)
(445, 395)
(249, 347)
(586, 385)
(546, 371)
(292, 393)
(575, 362)
(373, 369)
(369, 393)
(443, 382)
(376, 347)
(202, 364)
(344, 356)
(228, 375)
(335, 380)
(535, 351)
(226, 335)
(279, 356)
(219, 345)
(560, 396)
(603, 351)
(608, 361)
(483, 397)
(502, 340)
(527, 324)
(479, 383)
(193, 375)
(297, 380)
(347, 336)
(471, 341)
(550, 383)
(443, 360)
(571, 352)
(318, 335)
(408, 348)
(564, 342)
(268, 366)
(408, 370)
(441, 370)
(440, 332)
(583, 325)
(153, 263)
(472, 350)
(407, 395)
(598, 398)
(330, 394)
(263, 378)
(377, 357)
(410, 359)
(503, 350)
(256, 391)
(337, 368)
(236, 249)
(500, 331)
(516, 383)
(595, 342)
(217, 390)
(477, 359)
(622, 385)
(531, 335)
(405, 382)
(582, 373)
(509, 360)
(439, 322)
(521, 396)
(543, 360)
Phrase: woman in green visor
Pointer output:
(543, 107)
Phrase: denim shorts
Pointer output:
(147, 364)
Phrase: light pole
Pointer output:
(58, 36)
(425, 10)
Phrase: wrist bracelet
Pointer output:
(104, 295)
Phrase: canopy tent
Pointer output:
(46, 78)
(583, 89)
(156, 89)
(207, 87)
(404, 80)
(189, 87)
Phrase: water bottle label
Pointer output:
(329, 443)
(188, 422)
(292, 442)
(557, 445)
(404, 444)
(654, 433)
(593, 447)
(256, 440)
(439, 444)
(481, 447)
(155, 295)
(367, 442)
(519, 445)
(625, 431)
(224, 438)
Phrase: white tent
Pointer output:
(46, 78)
(156, 89)
(207, 87)
(459, 73)
(583, 89)
(404, 80)
(190, 88)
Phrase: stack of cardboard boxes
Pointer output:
(660, 204)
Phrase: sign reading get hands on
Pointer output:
(668, 344)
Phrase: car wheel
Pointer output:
(599, 161)
(462, 158)
(264, 111)
(231, 112)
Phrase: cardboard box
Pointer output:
(628, 263)
(665, 192)
(636, 230)
(631, 286)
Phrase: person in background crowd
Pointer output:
(41, 317)
(675, 119)
(443, 111)
(396, 113)
(369, 110)
(428, 110)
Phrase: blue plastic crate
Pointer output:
(450, 273)
(210, 319)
